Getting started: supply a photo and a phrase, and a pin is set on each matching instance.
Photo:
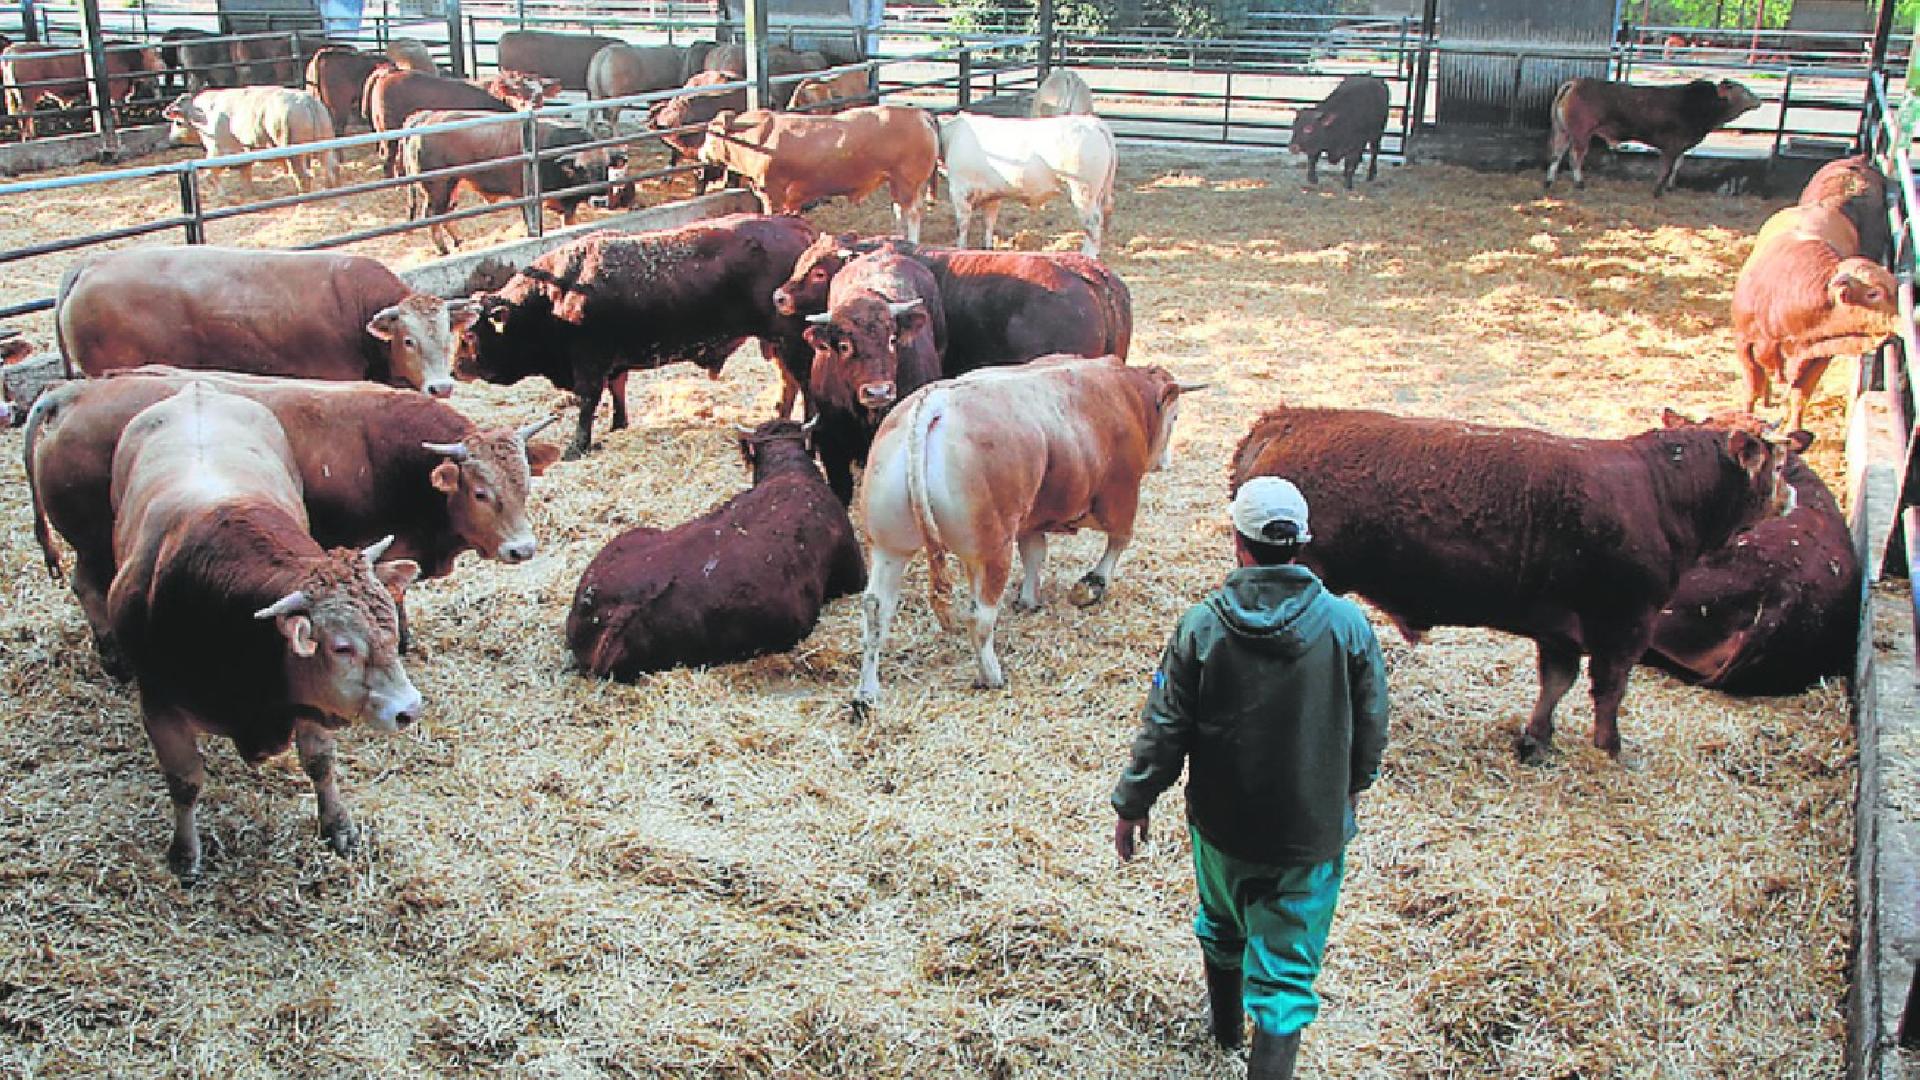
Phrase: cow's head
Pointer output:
(1166, 391)
(423, 333)
(184, 116)
(486, 478)
(620, 194)
(1307, 126)
(806, 290)
(1735, 98)
(1765, 468)
(1868, 288)
(856, 350)
(342, 632)
(484, 354)
(1737, 420)
(777, 446)
(590, 166)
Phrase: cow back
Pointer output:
(558, 56)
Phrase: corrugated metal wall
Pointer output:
(1477, 87)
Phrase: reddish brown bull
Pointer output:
(424, 154)
(337, 75)
(795, 161)
(1776, 608)
(1351, 119)
(1801, 300)
(392, 94)
(879, 340)
(524, 90)
(237, 623)
(745, 579)
(372, 461)
(585, 313)
(1671, 119)
(693, 111)
(1574, 543)
(33, 72)
(1855, 188)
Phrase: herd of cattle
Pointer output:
(231, 471)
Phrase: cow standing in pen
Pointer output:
(316, 315)
(1671, 119)
(391, 95)
(236, 621)
(997, 459)
(1574, 543)
(1352, 120)
(337, 75)
(234, 121)
(1857, 190)
(423, 154)
(1062, 93)
(793, 162)
(990, 159)
(749, 577)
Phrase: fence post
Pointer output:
(29, 22)
(963, 93)
(97, 88)
(1513, 97)
(1226, 103)
(1780, 125)
(1423, 74)
(456, 47)
(759, 91)
(520, 12)
(1046, 38)
(530, 143)
(196, 227)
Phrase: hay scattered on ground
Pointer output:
(717, 873)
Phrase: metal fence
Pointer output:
(941, 79)
(1889, 371)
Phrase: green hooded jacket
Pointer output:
(1273, 693)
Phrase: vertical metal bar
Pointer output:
(963, 93)
(196, 227)
(1513, 95)
(1045, 30)
(759, 90)
(29, 23)
(1780, 125)
(1417, 111)
(456, 41)
(97, 88)
(1402, 60)
(530, 144)
(520, 11)
(1226, 103)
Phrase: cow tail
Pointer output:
(67, 281)
(42, 531)
(919, 426)
(933, 178)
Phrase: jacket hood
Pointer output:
(1281, 608)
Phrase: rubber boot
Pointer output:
(1223, 997)
(1272, 1056)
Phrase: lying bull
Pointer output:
(24, 376)
(1803, 299)
(372, 461)
(879, 340)
(1778, 607)
(999, 458)
(236, 621)
(793, 162)
(309, 315)
(234, 121)
(587, 312)
(832, 93)
(748, 578)
(1576, 544)
(423, 154)
(1343, 127)
(990, 159)
(1671, 119)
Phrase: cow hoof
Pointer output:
(859, 710)
(185, 866)
(1579, 185)
(341, 837)
(575, 451)
(114, 662)
(981, 682)
(1530, 750)
(1088, 591)
(1024, 607)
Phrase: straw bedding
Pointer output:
(718, 873)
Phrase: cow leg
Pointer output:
(91, 579)
(1353, 165)
(1577, 161)
(1313, 167)
(1373, 162)
(302, 169)
(246, 180)
(171, 734)
(588, 389)
(1802, 390)
(989, 580)
(315, 745)
(1092, 216)
(1613, 659)
(331, 161)
(1559, 665)
(1092, 587)
(962, 216)
(1556, 150)
(877, 606)
(617, 387)
(1033, 558)
(992, 219)
(1669, 164)
(1759, 387)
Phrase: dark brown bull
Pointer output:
(237, 622)
(338, 75)
(393, 94)
(34, 72)
(585, 313)
(524, 90)
(694, 110)
(1574, 543)
(880, 339)
(1671, 119)
(1776, 608)
(373, 462)
(746, 579)
(423, 154)
(1858, 190)
(557, 56)
(1351, 119)
(1000, 307)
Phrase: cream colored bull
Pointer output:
(988, 159)
(233, 121)
(999, 458)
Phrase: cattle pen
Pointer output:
(722, 872)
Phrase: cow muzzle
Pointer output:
(783, 302)
(514, 552)
(877, 395)
(395, 709)
(440, 388)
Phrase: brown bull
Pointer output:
(793, 161)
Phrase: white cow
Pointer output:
(1063, 93)
(989, 158)
(233, 121)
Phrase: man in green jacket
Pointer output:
(1273, 694)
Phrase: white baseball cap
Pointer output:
(1263, 507)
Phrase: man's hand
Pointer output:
(1126, 834)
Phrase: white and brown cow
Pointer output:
(233, 121)
(1002, 457)
(794, 161)
(237, 622)
(989, 159)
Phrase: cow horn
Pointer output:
(844, 253)
(1190, 387)
(899, 309)
(457, 451)
(295, 601)
(373, 551)
(459, 304)
(744, 430)
(820, 319)
(526, 433)
(808, 426)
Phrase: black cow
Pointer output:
(1353, 118)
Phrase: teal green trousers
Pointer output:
(1270, 923)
